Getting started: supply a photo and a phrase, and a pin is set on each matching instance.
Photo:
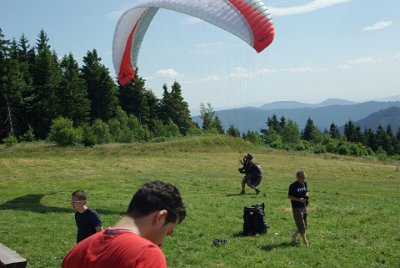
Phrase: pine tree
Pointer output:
(174, 107)
(217, 124)
(334, 131)
(207, 114)
(132, 96)
(72, 98)
(46, 82)
(311, 132)
(102, 92)
(233, 131)
(291, 133)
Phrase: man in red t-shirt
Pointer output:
(135, 240)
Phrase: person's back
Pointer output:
(135, 240)
(115, 248)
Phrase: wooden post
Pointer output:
(10, 259)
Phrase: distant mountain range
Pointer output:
(297, 105)
(336, 111)
(389, 116)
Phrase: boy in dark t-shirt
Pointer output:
(87, 220)
(298, 195)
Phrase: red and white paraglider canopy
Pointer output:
(250, 20)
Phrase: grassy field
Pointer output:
(353, 214)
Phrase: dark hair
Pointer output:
(81, 195)
(157, 195)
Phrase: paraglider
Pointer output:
(249, 20)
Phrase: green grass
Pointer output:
(353, 215)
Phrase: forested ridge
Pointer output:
(47, 97)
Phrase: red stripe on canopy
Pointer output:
(126, 71)
(262, 28)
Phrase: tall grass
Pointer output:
(353, 215)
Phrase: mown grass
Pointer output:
(353, 215)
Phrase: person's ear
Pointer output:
(161, 216)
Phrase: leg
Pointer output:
(304, 237)
(248, 180)
(243, 185)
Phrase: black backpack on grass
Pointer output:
(254, 220)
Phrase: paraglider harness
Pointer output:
(254, 220)
(252, 170)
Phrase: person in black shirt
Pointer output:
(252, 173)
(298, 195)
(87, 220)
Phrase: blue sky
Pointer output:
(348, 49)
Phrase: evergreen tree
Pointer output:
(273, 123)
(291, 134)
(207, 114)
(5, 125)
(380, 136)
(370, 140)
(233, 131)
(334, 131)
(352, 132)
(217, 124)
(311, 132)
(72, 98)
(11, 90)
(175, 108)
(102, 91)
(46, 81)
(282, 123)
(397, 142)
(132, 96)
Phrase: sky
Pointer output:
(346, 49)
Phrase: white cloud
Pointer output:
(240, 72)
(306, 8)
(169, 73)
(343, 66)
(266, 71)
(305, 69)
(211, 78)
(397, 56)
(378, 26)
(365, 60)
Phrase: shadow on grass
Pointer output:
(239, 194)
(31, 202)
(279, 245)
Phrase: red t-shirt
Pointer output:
(115, 248)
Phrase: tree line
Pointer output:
(42, 94)
(285, 134)
(44, 97)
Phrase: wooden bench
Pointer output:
(10, 259)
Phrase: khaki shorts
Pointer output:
(300, 218)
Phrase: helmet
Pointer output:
(249, 156)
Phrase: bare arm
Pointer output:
(293, 198)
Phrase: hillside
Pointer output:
(353, 211)
(389, 116)
(255, 119)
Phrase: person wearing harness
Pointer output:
(252, 173)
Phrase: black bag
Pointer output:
(254, 220)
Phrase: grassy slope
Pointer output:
(353, 218)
